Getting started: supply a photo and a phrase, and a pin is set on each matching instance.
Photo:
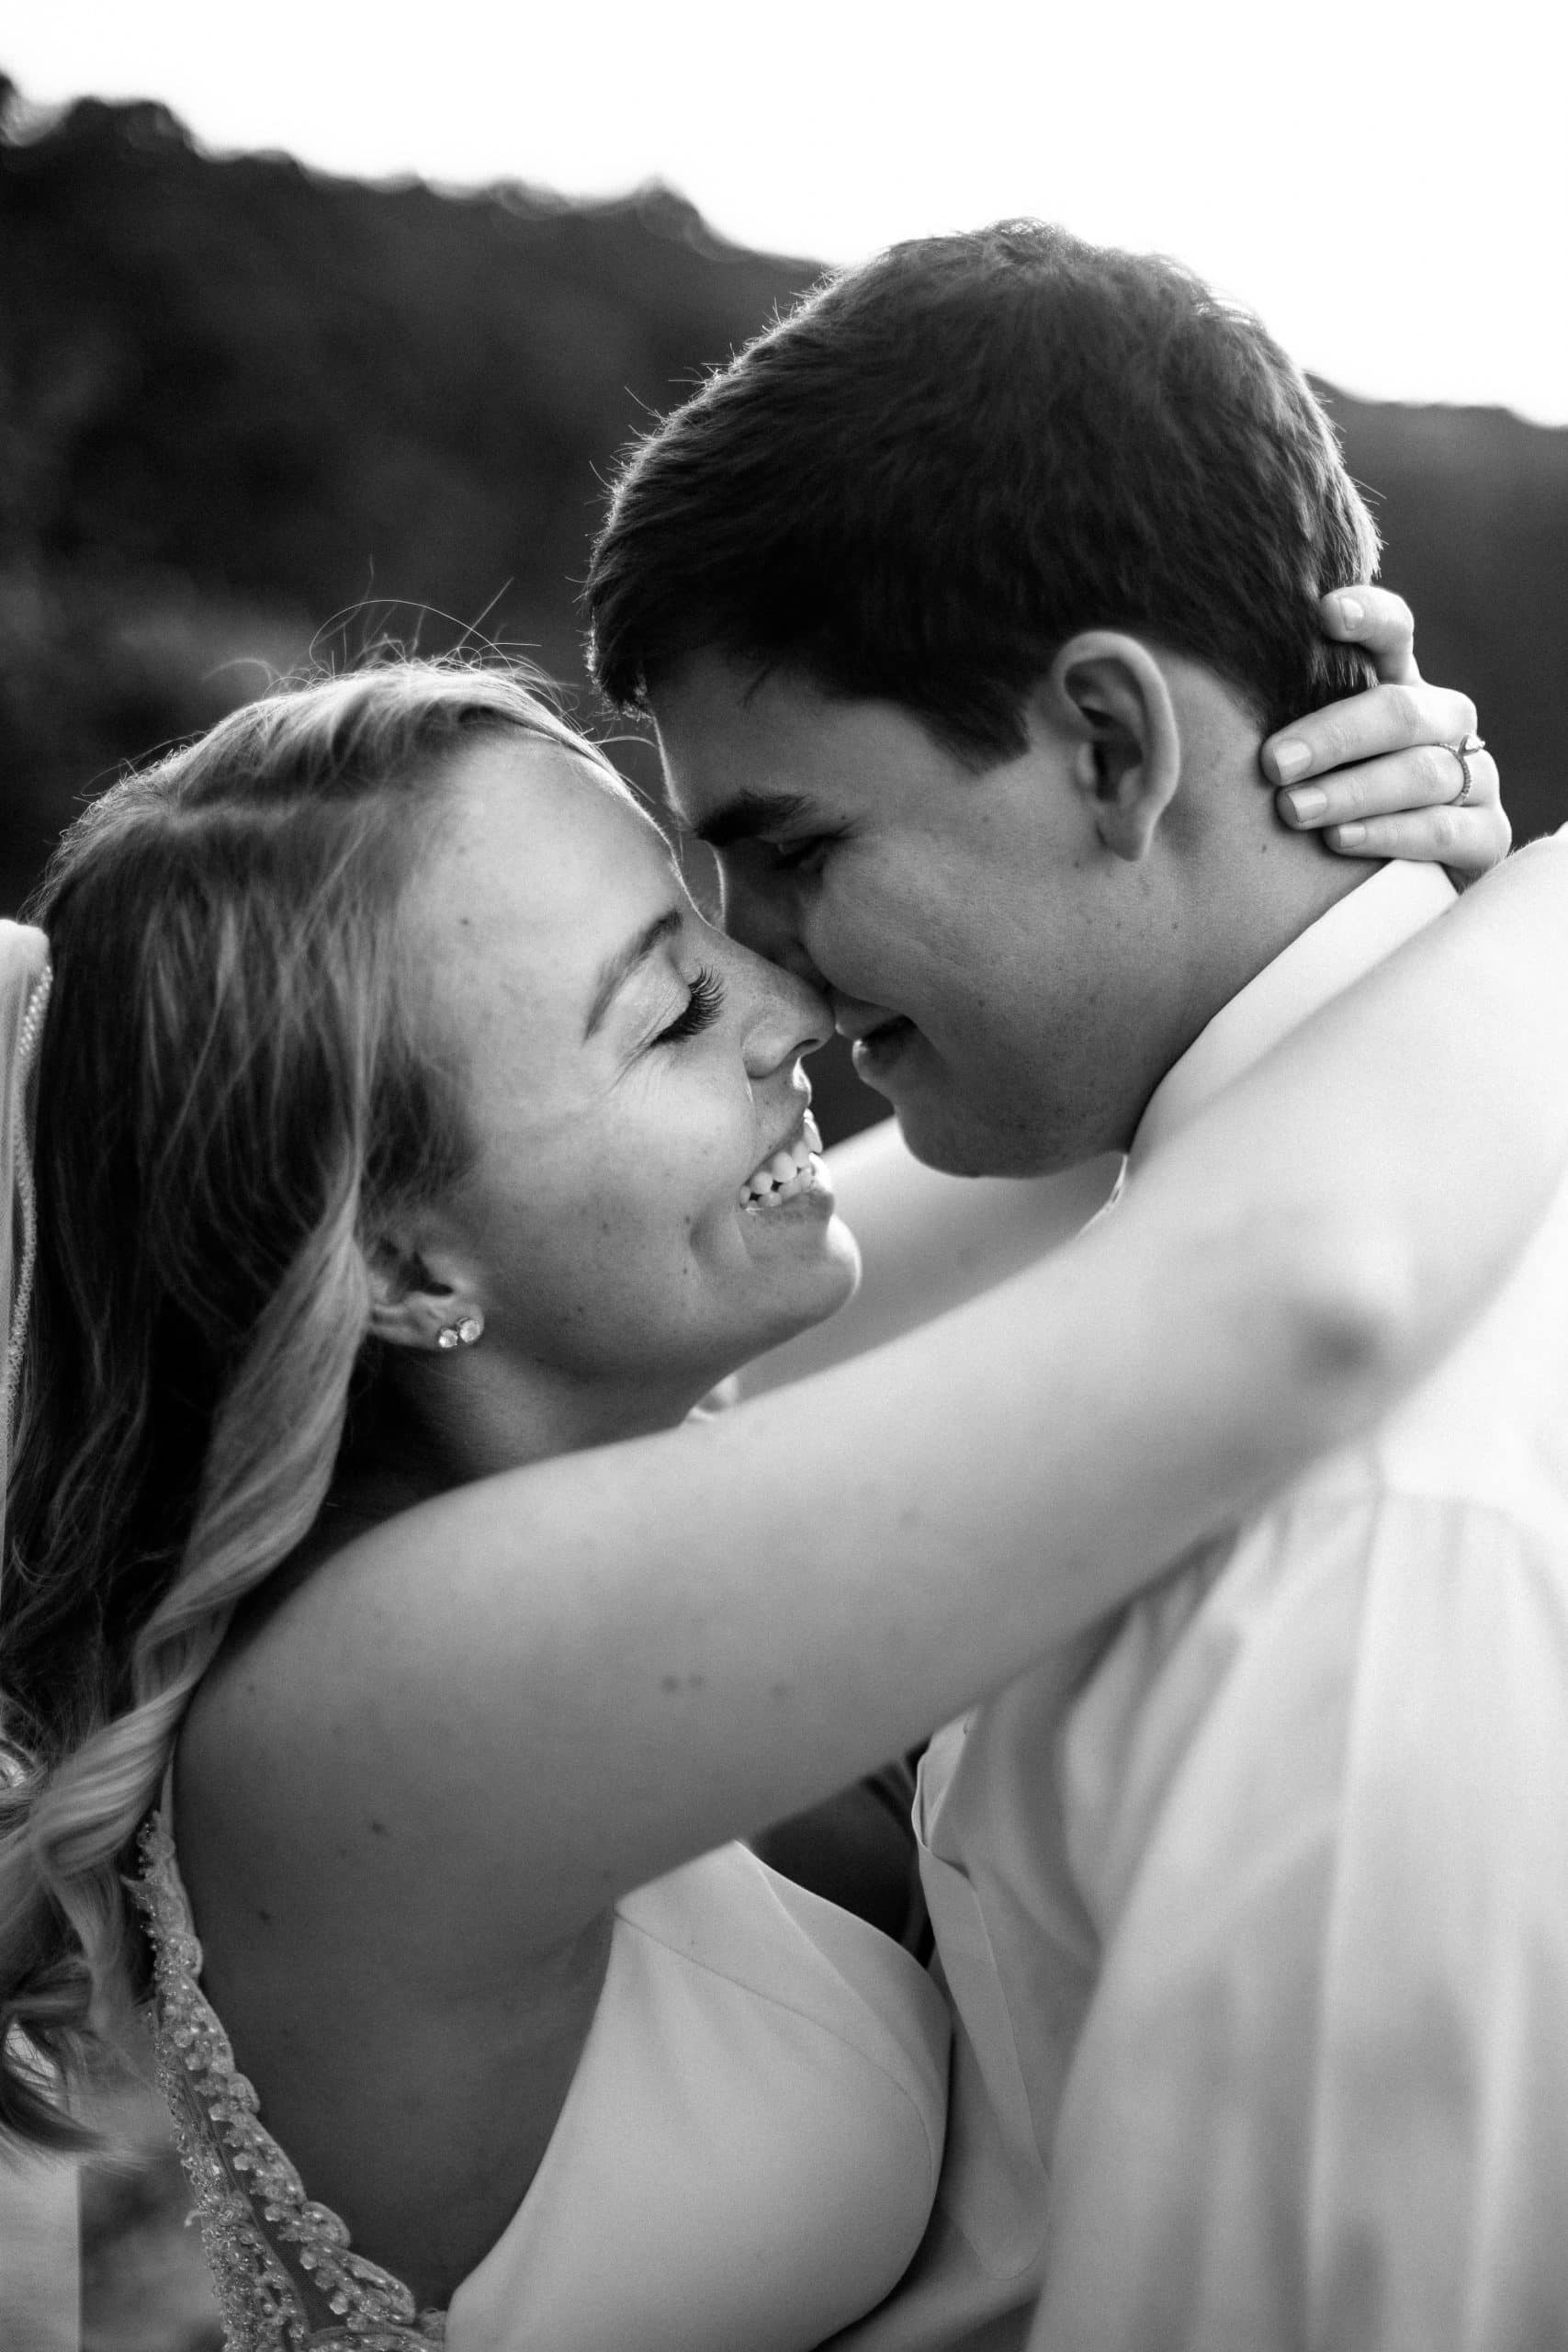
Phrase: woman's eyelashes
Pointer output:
(701, 1008)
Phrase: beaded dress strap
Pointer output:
(287, 2278)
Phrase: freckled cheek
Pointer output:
(676, 1199)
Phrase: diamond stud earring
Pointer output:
(461, 1334)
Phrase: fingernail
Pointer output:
(1347, 836)
(1308, 802)
(1291, 758)
(1352, 612)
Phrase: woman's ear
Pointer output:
(421, 1297)
(1111, 695)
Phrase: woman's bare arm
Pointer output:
(553, 1685)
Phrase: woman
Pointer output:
(413, 1160)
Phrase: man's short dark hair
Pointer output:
(944, 463)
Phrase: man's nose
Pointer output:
(762, 915)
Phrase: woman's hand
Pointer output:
(1373, 774)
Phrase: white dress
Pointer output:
(745, 2161)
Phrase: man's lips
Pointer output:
(878, 1054)
(864, 1021)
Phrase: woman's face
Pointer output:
(634, 1089)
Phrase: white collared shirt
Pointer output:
(1254, 1911)
(1316, 1798)
(1356, 934)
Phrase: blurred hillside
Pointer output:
(240, 401)
(237, 399)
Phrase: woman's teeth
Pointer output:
(788, 1173)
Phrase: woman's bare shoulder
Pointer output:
(321, 1820)
(304, 1799)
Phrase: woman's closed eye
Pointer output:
(701, 1008)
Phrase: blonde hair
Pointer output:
(237, 1083)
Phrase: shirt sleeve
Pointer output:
(1318, 1803)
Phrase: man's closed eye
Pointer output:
(806, 857)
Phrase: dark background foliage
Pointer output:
(239, 400)
(246, 409)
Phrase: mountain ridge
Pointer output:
(243, 401)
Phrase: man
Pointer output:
(965, 601)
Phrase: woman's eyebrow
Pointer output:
(619, 966)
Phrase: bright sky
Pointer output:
(1386, 182)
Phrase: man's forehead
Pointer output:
(712, 717)
(752, 755)
(729, 784)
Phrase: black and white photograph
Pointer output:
(784, 1177)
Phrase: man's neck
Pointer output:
(1330, 955)
(1251, 885)
(1260, 911)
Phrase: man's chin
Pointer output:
(971, 1139)
(969, 1127)
(945, 1138)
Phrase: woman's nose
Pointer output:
(787, 1017)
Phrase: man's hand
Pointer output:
(1373, 775)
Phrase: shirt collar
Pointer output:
(1357, 932)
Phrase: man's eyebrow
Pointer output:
(751, 813)
(619, 966)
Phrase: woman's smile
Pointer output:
(793, 1171)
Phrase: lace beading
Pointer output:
(287, 2278)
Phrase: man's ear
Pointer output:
(1111, 697)
(419, 1292)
